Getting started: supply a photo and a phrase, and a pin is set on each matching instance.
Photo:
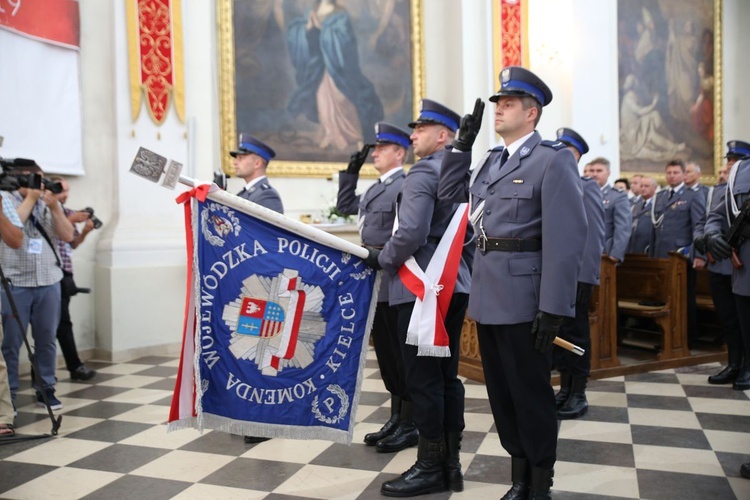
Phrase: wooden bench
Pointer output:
(603, 317)
(703, 298)
(662, 281)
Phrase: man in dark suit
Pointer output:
(642, 234)
(250, 163)
(676, 218)
(574, 370)
(433, 384)
(527, 211)
(617, 216)
(377, 211)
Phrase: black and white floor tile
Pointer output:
(661, 435)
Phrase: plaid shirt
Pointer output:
(26, 269)
(64, 250)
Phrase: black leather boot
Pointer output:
(745, 470)
(372, 438)
(730, 373)
(577, 404)
(452, 466)
(562, 396)
(742, 382)
(521, 476)
(405, 436)
(425, 476)
(541, 483)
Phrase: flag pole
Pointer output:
(277, 219)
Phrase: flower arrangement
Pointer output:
(333, 215)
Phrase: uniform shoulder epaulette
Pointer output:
(265, 186)
(619, 190)
(556, 145)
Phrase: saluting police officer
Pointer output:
(618, 220)
(720, 275)
(574, 370)
(250, 164)
(527, 211)
(377, 211)
(433, 384)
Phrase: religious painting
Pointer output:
(310, 78)
(670, 84)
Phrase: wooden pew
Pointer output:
(640, 278)
(703, 298)
(603, 317)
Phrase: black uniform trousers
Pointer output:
(726, 312)
(743, 313)
(433, 384)
(578, 331)
(388, 350)
(692, 307)
(521, 396)
(65, 333)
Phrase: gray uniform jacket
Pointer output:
(537, 194)
(617, 222)
(702, 190)
(717, 220)
(592, 258)
(264, 195)
(716, 197)
(422, 220)
(681, 223)
(377, 210)
(642, 234)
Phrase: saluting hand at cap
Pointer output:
(469, 128)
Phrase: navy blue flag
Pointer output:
(281, 328)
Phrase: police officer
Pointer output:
(574, 370)
(250, 163)
(642, 232)
(377, 211)
(676, 217)
(720, 275)
(735, 195)
(433, 383)
(692, 179)
(617, 217)
(527, 211)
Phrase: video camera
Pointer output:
(97, 222)
(31, 180)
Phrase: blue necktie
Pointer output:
(503, 159)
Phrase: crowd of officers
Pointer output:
(530, 259)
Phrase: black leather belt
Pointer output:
(509, 244)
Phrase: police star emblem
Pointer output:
(505, 76)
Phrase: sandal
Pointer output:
(7, 430)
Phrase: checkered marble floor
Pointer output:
(660, 435)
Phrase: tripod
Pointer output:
(37, 377)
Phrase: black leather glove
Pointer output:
(544, 329)
(372, 258)
(356, 160)
(700, 244)
(718, 246)
(469, 128)
(583, 292)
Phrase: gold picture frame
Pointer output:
(670, 32)
(228, 80)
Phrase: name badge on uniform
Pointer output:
(35, 246)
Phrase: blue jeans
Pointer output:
(40, 306)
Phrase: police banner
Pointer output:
(276, 325)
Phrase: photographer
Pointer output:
(12, 235)
(78, 371)
(35, 284)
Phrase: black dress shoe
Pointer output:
(255, 439)
(745, 470)
(405, 436)
(389, 428)
(725, 376)
(742, 382)
(82, 373)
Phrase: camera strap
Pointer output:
(46, 237)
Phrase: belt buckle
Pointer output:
(481, 243)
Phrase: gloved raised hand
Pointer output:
(700, 244)
(544, 329)
(469, 128)
(356, 160)
(718, 246)
(583, 292)
(372, 258)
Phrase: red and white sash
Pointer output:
(434, 289)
